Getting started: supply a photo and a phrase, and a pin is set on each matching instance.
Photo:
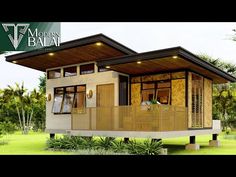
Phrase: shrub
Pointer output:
(105, 143)
(228, 130)
(88, 143)
(65, 142)
(7, 128)
(147, 147)
(118, 146)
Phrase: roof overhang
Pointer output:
(171, 59)
(92, 48)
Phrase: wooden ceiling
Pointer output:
(76, 55)
(165, 64)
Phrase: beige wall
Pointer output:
(178, 92)
(207, 103)
(63, 121)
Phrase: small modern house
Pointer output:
(99, 87)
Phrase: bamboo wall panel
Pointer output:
(189, 99)
(178, 92)
(207, 103)
(161, 77)
(135, 94)
(135, 79)
(147, 78)
(157, 77)
(178, 75)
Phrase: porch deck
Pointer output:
(216, 129)
(143, 134)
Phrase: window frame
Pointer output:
(55, 94)
(63, 98)
(70, 75)
(103, 68)
(80, 71)
(155, 89)
(54, 71)
(83, 109)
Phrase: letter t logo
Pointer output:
(15, 40)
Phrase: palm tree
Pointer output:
(16, 95)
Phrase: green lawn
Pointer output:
(35, 143)
(176, 146)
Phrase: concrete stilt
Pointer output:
(52, 135)
(155, 140)
(126, 140)
(164, 151)
(214, 142)
(192, 144)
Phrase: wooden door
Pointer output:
(105, 104)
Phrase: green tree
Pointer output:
(42, 83)
(39, 106)
(227, 67)
(25, 104)
(224, 101)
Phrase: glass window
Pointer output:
(65, 98)
(53, 74)
(81, 88)
(87, 69)
(80, 99)
(148, 95)
(58, 98)
(163, 96)
(159, 91)
(71, 71)
(68, 99)
(102, 69)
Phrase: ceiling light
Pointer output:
(98, 43)
(175, 56)
(108, 67)
(14, 61)
(51, 54)
(139, 62)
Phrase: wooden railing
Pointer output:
(130, 118)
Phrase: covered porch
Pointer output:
(149, 118)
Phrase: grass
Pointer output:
(35, 143)
(176, 146)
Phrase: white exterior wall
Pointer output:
(63, 121)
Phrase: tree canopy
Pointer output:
(224, 95)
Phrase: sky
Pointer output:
(208, 38)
